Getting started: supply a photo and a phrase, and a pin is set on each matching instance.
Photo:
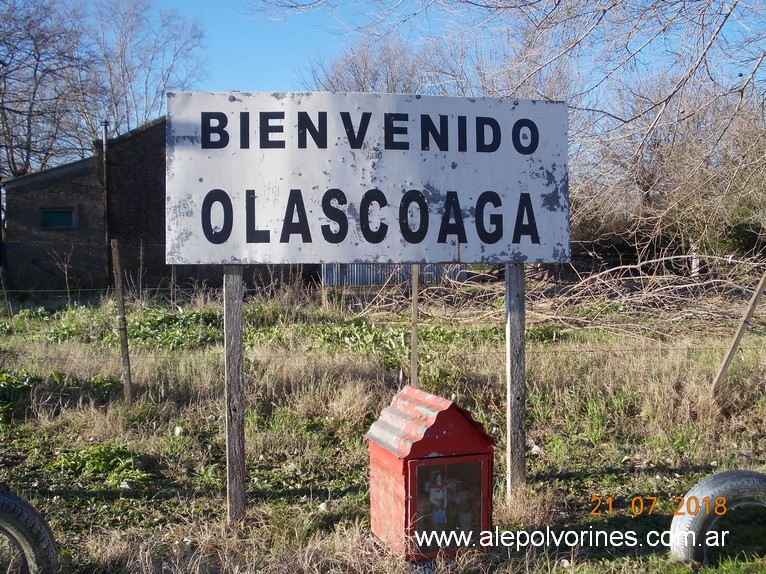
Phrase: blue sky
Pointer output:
(248, 51)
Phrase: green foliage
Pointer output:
(596, 420)
(32, 314)
(605, 419)
(548, 333)
(106, 462)
(211, 476)
(80, 323)
(321, 467)
(269, 335)
(742, 232)
(597, 308)
(25, 321)
(160, 328)
(100, 388)
(258, 314)
(263, 314)
(152, 326)
(15, 387)
(389, 344)
(146, 414)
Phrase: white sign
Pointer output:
(336, 177)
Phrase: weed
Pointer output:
(106, 462)
(548, 333)
(101, 387)
(80, 323)
(159, 328)
(15, 388)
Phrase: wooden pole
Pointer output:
(744, 324)
(122, 327)
(515, 454)
(235, 393)
(414, 356)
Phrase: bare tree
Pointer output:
(137, 54)
(611, 43)
(389, 66)
(37, 51)
(64, 69)
(666, 98)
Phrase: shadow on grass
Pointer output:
(74, 511)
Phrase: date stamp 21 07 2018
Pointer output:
(645, 505)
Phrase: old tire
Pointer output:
(742, 490)
(28, 533)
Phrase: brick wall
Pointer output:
(55, 258)
(136, 195)
(136, 181)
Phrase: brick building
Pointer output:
(54, 229)
(59, 221)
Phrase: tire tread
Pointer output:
(737, 486)
(20, 521)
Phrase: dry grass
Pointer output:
(609, 413)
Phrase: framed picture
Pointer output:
(448, 494)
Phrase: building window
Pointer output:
(58, 218)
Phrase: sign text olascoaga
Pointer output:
(320, 177)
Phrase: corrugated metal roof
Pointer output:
(406, 422)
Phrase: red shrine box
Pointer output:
(430, 475)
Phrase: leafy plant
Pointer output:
(269, 335)
(389, 344)
(31, 314)
(161, 328)
(85, 324)
(604, 416)
(548, 333)
(15, 386)
(104, 462)
(101, 387)
(211, 476)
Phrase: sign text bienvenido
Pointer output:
(351, 177)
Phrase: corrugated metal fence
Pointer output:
(356, 274)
